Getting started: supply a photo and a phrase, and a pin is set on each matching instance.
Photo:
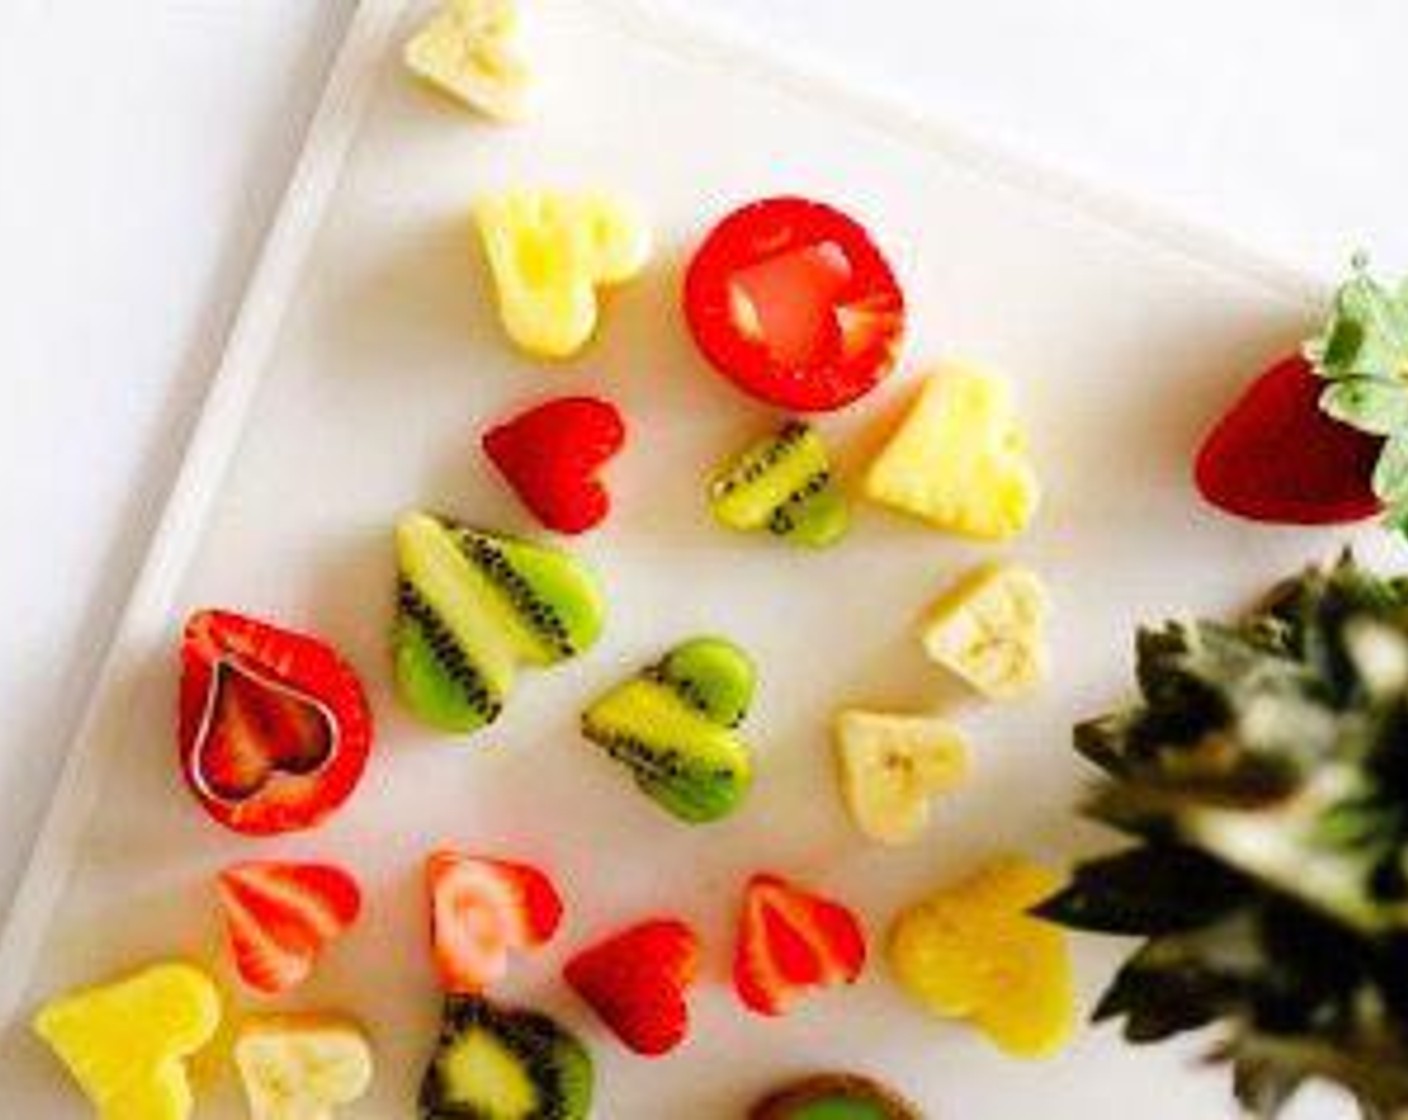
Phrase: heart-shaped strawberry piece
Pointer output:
(551, 456)
(1277, 456)
(637, 981)
(274, 726)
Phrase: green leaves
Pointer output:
(1363, 354)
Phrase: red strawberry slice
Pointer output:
(551, 456)
(791, 300)
(789, 941)
(274, 726)
(279, 917)
(636, 981)
(1276, 456)
(480, 910)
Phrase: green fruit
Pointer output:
(493, 1063)
(783, 484)
(834, 1096)
(472, 607)
(673, 725)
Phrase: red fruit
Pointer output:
(280, 916)
(274, 726)
(551, 454)
(1277, 457)
(789, 941)
(792, 301)
(480, 909)
(637, 980)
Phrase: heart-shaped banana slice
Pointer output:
(467, 50)
(302, 1067)
(959, 459)
(990, 630)
(892, 766)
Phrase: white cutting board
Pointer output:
(366, 364)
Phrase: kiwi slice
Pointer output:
(494, 1063)
(835, 1096)
(783, 484)
(473, 606)
(674, 725)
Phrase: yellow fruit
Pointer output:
(959, 459)
(972, 951)
(302, 1067)
(891, 766)
(990, 629)
(549, 253)
(467, 51)
(126, 1042)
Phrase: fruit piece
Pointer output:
(480, 910)
(891, 766)
(990, 630)
(783, 484)
(502, 1064)
(790, 941)
(126, 1043)
(1275, 456)
(551, 454)
(971, 951)
(279, 917)
(792, 301)
(674, 726)
(1256, 781)
(834, 1096)
(301, 1067)
(473, 607)
(959, 459)
(274, 726)
(637, 981)
(467, 51)
(549, 253)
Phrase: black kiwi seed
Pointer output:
(448, 654)
(783, 519)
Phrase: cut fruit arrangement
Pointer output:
(1256, 780)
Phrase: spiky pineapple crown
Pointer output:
(1264, 781)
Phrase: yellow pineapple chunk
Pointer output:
(549, 253)
(126, 1043)
(959, 459)
(467, 51)
(990, 630)
(972, 951)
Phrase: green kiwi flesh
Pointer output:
(472, 607)
(783, 484)
(673, 727)
(834, 1096)
(494, 1063)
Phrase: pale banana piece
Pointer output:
(302, 1067)
(891, 766)
(990, 630)
(467, 50)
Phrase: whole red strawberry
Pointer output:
(637, 980)
(1278, 456)
(551, 456)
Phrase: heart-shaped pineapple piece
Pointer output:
(959, 459)
(973, 951)
(549, 253)
(302, 1067)
(891, 766)
(126, 1043)
(990, 630)
(467, 50)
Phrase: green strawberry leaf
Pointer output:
(1367, 335)
(1391, 472)
(1367, 403)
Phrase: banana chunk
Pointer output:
(467, 50)
(990, 630)
(892, 766)
(302, 1067)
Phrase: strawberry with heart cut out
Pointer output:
(637, 981)
(551, 456)
(274, 726)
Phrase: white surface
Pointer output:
(142, 146)
(388, 358)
